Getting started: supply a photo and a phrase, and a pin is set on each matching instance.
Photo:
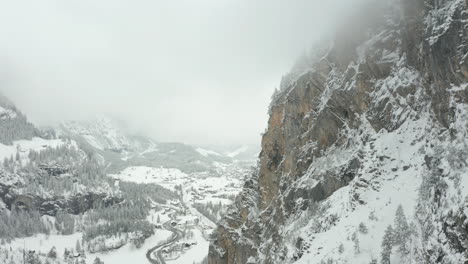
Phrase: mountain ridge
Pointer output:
(382, 115)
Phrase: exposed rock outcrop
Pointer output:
(407, 64)
(14, 198)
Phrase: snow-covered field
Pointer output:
(129, 254)
(206, 152)
(203, 188)
(196, 253)
(167, 178)
(43, 243)
(24, 146)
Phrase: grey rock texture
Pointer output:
(386, 70)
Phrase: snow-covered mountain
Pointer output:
(46, 174)
(13, 124)
(237, 152)
(365, 156)
(104, 134)
(86, 188)
(121, 149)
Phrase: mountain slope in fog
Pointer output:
(120, 149)
(365, 156)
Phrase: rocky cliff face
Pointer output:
(380, 120)
(13, 196)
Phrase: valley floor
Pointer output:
(181, 230)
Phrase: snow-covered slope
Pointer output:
(24, 147)
(121, 150)
(104, 134)
(244, 152)
(13, 124)
(207, 152)
(60, 182)
(365, 156)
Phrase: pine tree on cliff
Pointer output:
(402, 230)
(387, 244)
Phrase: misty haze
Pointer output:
(234, 132)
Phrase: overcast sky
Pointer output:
(197, 71)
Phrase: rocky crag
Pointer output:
(379, 121)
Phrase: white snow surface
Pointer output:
(166, 177)
(196, 253)
(238, 151)
(207, 152)
(129, 253)
(24, 146)
(398, 182)
(101, 133)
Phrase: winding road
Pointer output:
(157, 250)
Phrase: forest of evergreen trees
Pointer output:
(68, 170)
(16, 128)
(21, 224)
(130, 217)
(77, 169)
(398, 236)
(210, 210)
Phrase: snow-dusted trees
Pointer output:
(52, 253)
(402, 231)
(128, 217)
(210, 210)
(341, 248)
(14, 124)
(59, 170)
(65, 223)
(143, 193)
(21, 224)
(118, 222)
(363, 228)
(387, 245)
(98, 261)
(78, 247)
(399, 236)
(33, 258)
(66, 253)
(355, 240)
(16, 128)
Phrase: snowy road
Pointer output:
(157, 250)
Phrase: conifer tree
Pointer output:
(402, 230)
(78, 246)
(98, 261)
(387, 245)
(52, 253)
